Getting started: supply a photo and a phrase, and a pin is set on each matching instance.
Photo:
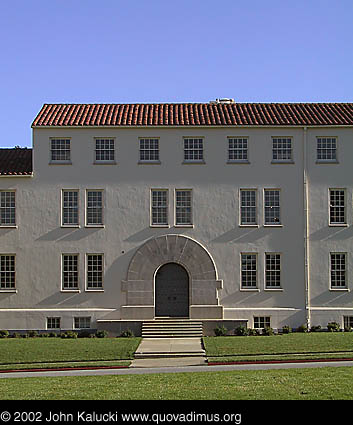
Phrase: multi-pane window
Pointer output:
(348, 322)
(105, 150)
(70, 271)
(7, 271)
(193, 150)
(282, 149)
(82, 322)
(149, 149)
(7, 208)
(248, 213)
(53, 322)
(248, 271)
(327, 149)
(95, 270)
(337, 206)
(159, 207)
(338, 270)
(273, 270)
(94, 210)
(183, 207)
(237, 149)
(60, 150)
(272, 207)
(69, 207)
(261, 322)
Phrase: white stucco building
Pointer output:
(221, 212)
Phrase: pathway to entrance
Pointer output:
(164, 352)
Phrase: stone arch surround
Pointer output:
(180, 249)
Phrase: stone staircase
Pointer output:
(172, 328)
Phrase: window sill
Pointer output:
(273, 225)
(184, 225)
(239, 161)
(9, 226)
(287, 161)
(104, 163)
(158, 226)
(338, 225)
(8, 291)
(194, 162)
(273, 289)
(94, 226)
(94, 290)
(70, 226)
(249, 225)
(71, 290)
(340, 289)
(60, 163)
(329, 161)
(250, 289)
(152, 162)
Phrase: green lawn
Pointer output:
(292, 384)
(34, 352)
(280, 347)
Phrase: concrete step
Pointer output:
(159, 348)
(169, 328)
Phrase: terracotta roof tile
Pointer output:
(15, 162)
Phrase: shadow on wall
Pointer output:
(68, 234)
(333, 299)
(238, 234)
(150, 232)
(110, 298)
(334, 233)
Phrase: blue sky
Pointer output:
(114, 51)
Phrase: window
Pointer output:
(183, 207)
(248, 271)
(7, 208)
(94, 212)
(159, 207)
(193, 150)
(70, 271)
(105, 150)
(70, 207)
(60, 150)
(95, 270)
(261, 322)
(273, 271)
(149, 150)
(282, 149)
(238, 149)
(7, 271)
(248, 213)
(82, 322)
(338, 270)
(272, 207)
(348, 322)
(327, 149)
(337, 206)
(53, 322)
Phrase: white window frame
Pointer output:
(95, 288)
(8, 210)
(249, 287)
(52, 318)
(156, 207)
(63, 191)
(268, 282)
(259, 319)
(238, 149)
(87, 209)
(345, 271)
(78, 319)
(106, 151)
(9, 274)
(331, 206)
(150, 153)
(333, 158)
(193, 151)
(244, 208)
(67, 158)
(266, 207)
(191, 223)
(283, 149)
(63, 271)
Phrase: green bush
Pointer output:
(32, 334)
(333, 327)
(69, 335)
(4, 334)
(241, 331)
(253, 332)
(127, 334)
(286, 329)
(101, 334)
(53, 335)
(268, 331)
(316, 328)
(16, 335)
(302, 328)
(44, 335)
(347, 329)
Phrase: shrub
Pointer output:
(84, 334)
(286, 329)
(44, 335)
(101, 334)
(241, 331)
(347, 329)
(253, 332)
(333, 327)
(268, 331)
(316, 328)
(32, 334)
(16, 335)
(69, 335)
(52, 335)
(4, 334)
(220, 331)
(127, 334)
(302, 328)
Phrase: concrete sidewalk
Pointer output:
(164, 352)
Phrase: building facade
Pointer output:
(221, 212)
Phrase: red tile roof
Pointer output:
(195, 114)
(16, 162)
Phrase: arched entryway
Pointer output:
(172, 291)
